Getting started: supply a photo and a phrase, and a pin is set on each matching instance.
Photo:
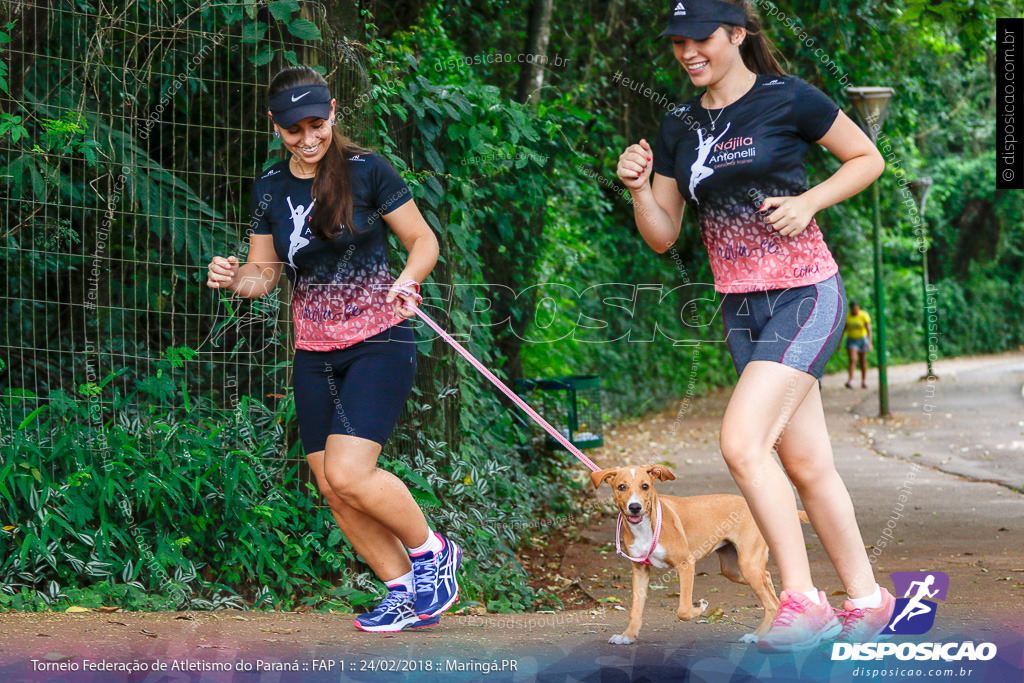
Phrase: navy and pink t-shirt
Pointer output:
(339, 287)
(756, 150)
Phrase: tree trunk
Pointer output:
(538, 33)
(516, 265)
(514, 269)
(30, 17)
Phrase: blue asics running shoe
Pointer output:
(434, 577)
(393, 614)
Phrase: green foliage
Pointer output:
(10, 124)
(4, 38)
(146, 508)
(260, 35)
(62, 136)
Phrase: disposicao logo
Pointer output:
(914, 614)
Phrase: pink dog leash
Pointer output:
(404, 289)
(497, 382)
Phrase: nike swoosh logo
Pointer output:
(296, 99)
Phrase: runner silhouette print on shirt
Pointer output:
(296, 241)
(698, 171)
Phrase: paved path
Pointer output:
(969, 422)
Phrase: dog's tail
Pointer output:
(803, 516)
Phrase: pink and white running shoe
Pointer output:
(800, 624)
(863, 625)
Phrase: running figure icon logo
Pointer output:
(698, 171)
(914, 614)
(296, 241)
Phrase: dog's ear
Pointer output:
(660, 472)
(602, 476)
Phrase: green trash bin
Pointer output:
(571, 404)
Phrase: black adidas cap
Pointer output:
(290, 106)
(698, 19)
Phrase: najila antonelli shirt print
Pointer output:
(755, 150)
(339, 287)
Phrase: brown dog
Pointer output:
(691, 528)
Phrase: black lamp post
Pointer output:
(872, 105)
(921, 187)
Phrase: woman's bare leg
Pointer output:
(806, 453)
(350, 470)
(372, 541)
(764, 399)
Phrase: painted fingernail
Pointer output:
(648, 158)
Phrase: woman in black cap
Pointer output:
(737, 153)
(321, 216)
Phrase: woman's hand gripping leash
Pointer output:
(410, 298)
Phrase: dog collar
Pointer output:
(657, 532)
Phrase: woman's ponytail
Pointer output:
(332, 188)
(758, 51)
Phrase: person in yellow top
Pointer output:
(858, 342)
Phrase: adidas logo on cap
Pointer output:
(679, 11)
